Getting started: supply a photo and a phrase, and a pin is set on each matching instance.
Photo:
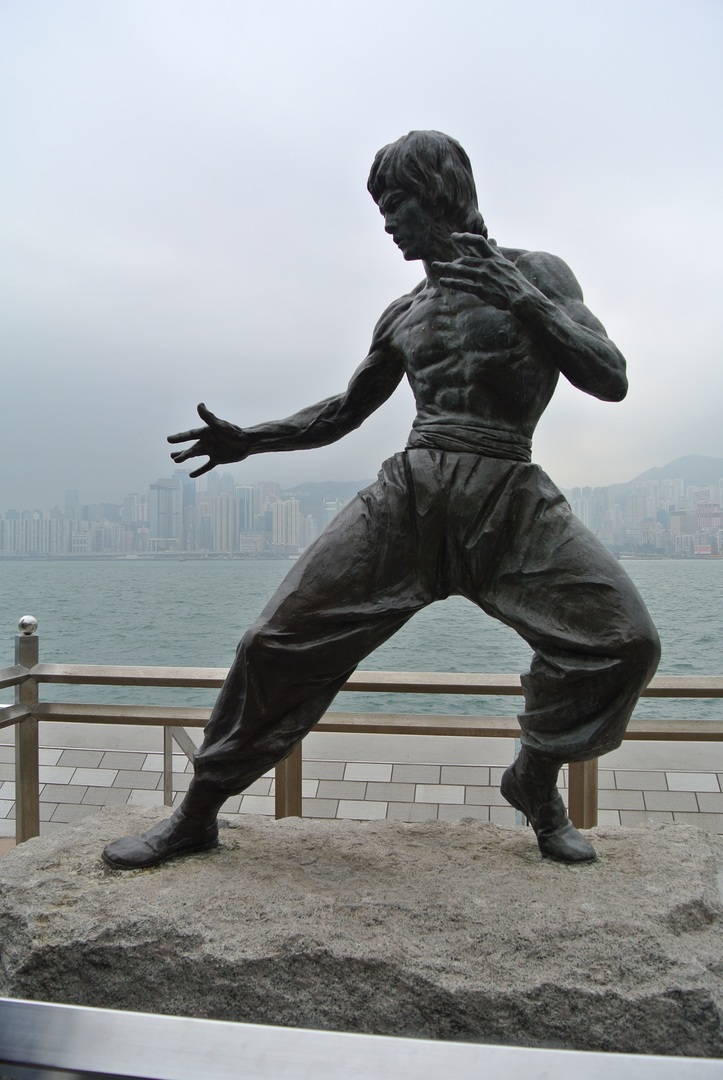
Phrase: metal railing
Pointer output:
(28, 674)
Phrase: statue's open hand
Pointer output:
(221, 441)
(482, 271)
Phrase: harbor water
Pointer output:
(192, 613)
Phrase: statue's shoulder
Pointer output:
(548, 273)
(391, 316)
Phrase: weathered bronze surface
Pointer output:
(482, 341)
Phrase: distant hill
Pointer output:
(692, 469)
(311, 495)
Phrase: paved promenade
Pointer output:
(402, 778)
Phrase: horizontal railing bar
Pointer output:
(14, 714)
(13, 676)
(650, 730)
(401, 682)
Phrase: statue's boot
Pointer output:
(192, 827)
(530, 786)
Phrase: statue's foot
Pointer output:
(557, 837)
(178, 835)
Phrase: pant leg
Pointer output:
(353, 588)
(547, 576)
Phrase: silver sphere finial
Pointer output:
(27, 624)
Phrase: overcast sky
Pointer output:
(185, 217)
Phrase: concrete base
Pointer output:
(442, 930)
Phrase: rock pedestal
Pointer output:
(441, 930)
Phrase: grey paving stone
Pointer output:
(342, 789)
(448, 812)
(145, 797)
(405, 811)
(182, 781)
(323, 770)
(7, 827)
(479, 775)
(87, 759)
(484, 796)
(416, 774)
(6, 805)
(7, 753)
(608, 817)
(67, 813)
(7, 790)
(385, 792)
(378, 771)
(639, 817)
(361, 810)
(620, 800)
(138, 779)
(692, 781)
(439, 793)
(261, 786)
(7, 770)
(122, 759)
(319, 808)
(671, 800)
(504, 815)
(46, 810)
(649, 781)
(709, 802)
(712, 823)
(62, 793)
(605, 778)
(112, 796)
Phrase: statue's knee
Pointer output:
(642, 655)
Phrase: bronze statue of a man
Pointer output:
(482, 340)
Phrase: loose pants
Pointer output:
(437, 523)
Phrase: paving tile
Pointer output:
(504, 815)
(447, 812)
(7, 827)
(95, 777)
(323, 770)
(122, 759)
(484, 796)
(231, 806)
(608, 817)
(368, 770)
(6, 806)
(639, 817)
(181, 781)
(155, 762)
(605, 778)
(63, 793)
(620, 800)
(257, 804)
(50, 774)
(439, 793)
(309, 789)
(360, 810)
(136, 778)
(47, 810)
(672, 800)
(7, 770)
(113, 796)
(48, 755)
(710, 802)
(405, 811)
(7, 753)
(67, 813)
(496, 774)
(319, 808)
(262, 786)
(712, 823)
(649, 781)
(690, 781)
(7, 790)
(385, 792)
(342, 789)
(145, 797)
(478, 775)
(87, 759)
(416, 774)
(6, 844)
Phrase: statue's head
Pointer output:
(433, 167)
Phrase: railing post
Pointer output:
(27, 768)
(582, 794)
(288, 785)
(167, 766)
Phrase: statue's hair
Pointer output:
(436, 169)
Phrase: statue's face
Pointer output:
(415, 229)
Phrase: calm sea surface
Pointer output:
(192, 614)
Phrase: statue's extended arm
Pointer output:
(542, 291)
(371, 384)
